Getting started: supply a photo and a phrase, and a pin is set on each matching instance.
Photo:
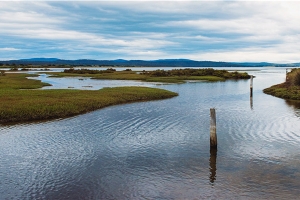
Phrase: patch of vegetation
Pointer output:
(27, 105)
(188, 72)
(15, 81)
(289, 89)
(14, 69)
(168, 76)
(88, 71)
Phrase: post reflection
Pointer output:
(213, 165)
(251, 103)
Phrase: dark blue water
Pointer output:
(160, 149)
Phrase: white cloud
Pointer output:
(207, 30)
(9, 49)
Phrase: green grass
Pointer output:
(289, 89)
(28, 105)
(123, 75)
(183, 79)
(19, 81)
(282, 91)
(131, 75)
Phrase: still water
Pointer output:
(160, 149)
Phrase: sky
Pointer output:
(230, 31)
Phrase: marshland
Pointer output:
(153, 149)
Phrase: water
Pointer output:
(160, 149)
(86, 83)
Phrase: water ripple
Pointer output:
(160, 149)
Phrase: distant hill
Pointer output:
(140, 63)
(40, 59)
(256, 64)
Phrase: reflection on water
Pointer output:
(84, 83)
(160, 149)
(213, 164)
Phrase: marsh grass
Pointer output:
(19, 81)
(169, 76)
(28, 105)
(289, 89)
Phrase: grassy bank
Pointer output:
(289, 89)
(27, 105)
(166, 76)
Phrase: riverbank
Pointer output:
(289, 89)
(19, 103)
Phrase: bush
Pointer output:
(111, 69)
(297, 78)
(293, 78)
(198, 72)
(14, 69)
(88, 71)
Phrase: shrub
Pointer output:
(14, 69)
(293, 78)
(198, 72)
(111, 69)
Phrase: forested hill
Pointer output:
(134, 63)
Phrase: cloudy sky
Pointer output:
(247, 31)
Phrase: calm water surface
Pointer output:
(160, 149)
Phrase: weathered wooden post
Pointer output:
(251, 86)
(286, 76)
(213, 129)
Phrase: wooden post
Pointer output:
(213, 130)
(251, 86)
(286, 77)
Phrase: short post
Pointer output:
(213, 130)
(251, 86)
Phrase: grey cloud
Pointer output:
(214, 30)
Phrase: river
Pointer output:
(160, 149)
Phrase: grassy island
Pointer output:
(289, 89)
(167, 76)
(19, 103)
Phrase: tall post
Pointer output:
(213, 129)
(251, 86)
(286, 77)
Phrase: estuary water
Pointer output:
(160, 149)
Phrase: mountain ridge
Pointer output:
(142, 63)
